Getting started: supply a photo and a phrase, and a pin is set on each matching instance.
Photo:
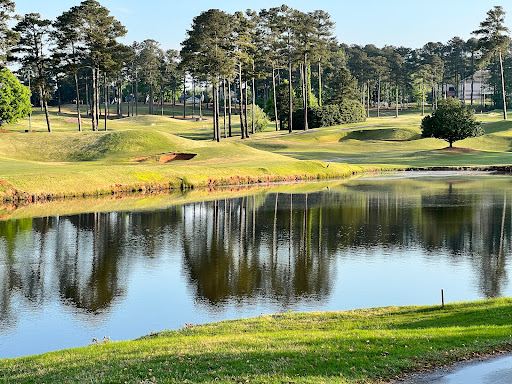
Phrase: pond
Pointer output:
(389, 240)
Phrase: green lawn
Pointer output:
(68, 162)
(362, 346)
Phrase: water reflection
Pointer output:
(242, 248)
(282, 248)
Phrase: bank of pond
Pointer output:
(115, 269)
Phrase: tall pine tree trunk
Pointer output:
(503, 88)
(217, 108)
(472, 74)
(275, 96)
(151, 98)
(396, 102)
(87, 96)
(173, 103)
(59, 99)
(120, 98)
(201, 107)
(184, 97)
(44, 102)
(225, 106)
(306, 90)
(105, 90)
(93, 101)
(230, 111)
(136, 94)
(368, 89)
(246, 102)
(319, 83)
(78, 103)
(422, 97)
(290, 88)
(242, 128)
(253, 89)
(98, 98)
(214, 92)
(193, 97)
(378, 99)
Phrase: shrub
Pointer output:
(452, 121)
(349, 111)
(14, 98)
(260, 119)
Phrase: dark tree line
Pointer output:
(280, 59)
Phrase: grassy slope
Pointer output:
(388, 140)
(363, 346)
(68, 162)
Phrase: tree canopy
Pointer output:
(14, 98)
(452, 121)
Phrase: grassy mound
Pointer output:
(362, 346)
(385, 134)
(88, 146)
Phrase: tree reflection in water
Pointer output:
(281, 247)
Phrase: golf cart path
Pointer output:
(490, 370)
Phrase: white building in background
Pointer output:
(480, 87)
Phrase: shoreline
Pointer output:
(191, 180)
(12, 195)
(375, 345)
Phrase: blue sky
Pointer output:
(380, 22)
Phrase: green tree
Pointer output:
(452, 121)
(344, 86)
(325, 44)
(471, 47)
(493, 42)
(99, 34)
(424, 78)
(14, 98)
(205, 53)
(31, 53)
(66, 34)
(7, 36)
(282, 99)
(381, 69)
(149, 57)
(273, 31)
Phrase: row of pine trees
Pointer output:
(279, 58)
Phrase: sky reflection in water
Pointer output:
(364, 243)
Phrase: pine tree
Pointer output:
(99, 34)
(493, 42)
(66, 35)
(7, 36)
(31, 53)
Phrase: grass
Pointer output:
(68, 162)
(362, 346)
(392, 141)
(365, 346)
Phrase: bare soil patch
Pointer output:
(165, 157)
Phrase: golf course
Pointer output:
(132, 155)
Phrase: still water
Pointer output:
(371, 241)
